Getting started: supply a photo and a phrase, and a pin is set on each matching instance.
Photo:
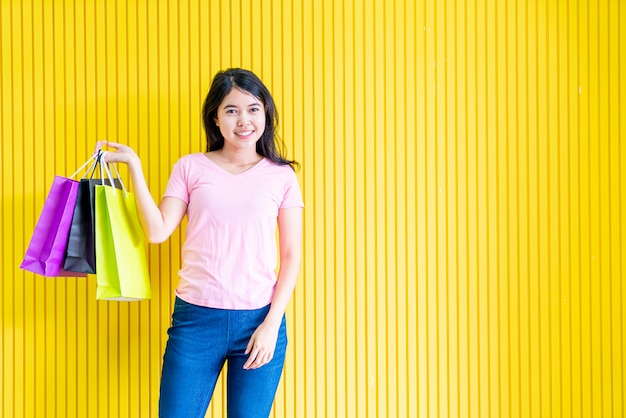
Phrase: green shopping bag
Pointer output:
(121, 258)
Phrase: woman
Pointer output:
(230, 304)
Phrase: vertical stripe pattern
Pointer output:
(463, 171)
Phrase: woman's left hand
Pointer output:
(261, 346)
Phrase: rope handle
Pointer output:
(105, 167)
(93, 165)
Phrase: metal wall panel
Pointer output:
(463, 174)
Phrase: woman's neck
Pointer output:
(238, 157)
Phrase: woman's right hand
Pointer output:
(157, 221)
(122, 153)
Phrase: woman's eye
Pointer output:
(231, 111)
(255, 109)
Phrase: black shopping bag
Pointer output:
(80, 254)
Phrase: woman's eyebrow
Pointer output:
(228, 106)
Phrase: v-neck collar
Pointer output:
(228, 173)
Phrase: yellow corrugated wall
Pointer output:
(463, 170)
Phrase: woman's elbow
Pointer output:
(153, 240)
(156, 237)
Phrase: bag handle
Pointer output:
(105, 167)
(96, 156)
(92, 168)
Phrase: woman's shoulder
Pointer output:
(279, 170)
(192, 157)
(282, 175)
(189, 165)
(281, 167)
(191, 160)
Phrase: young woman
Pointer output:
(230, 304)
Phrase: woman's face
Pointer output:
(241, 119)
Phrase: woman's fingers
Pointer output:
(98, 147)
(105, 144)
(117, 153)
(258, 357)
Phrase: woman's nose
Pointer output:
(243, 120)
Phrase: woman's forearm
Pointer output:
(287, 277)
(150, 215)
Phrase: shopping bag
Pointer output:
(80, 255)
(46, 250)
(121, 258)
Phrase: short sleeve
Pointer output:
(293, 196)
(177, 183)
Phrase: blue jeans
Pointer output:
(200, 341)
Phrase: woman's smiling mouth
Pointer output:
(244, 134)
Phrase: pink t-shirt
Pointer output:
(229, 257)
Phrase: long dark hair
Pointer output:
(269, 145)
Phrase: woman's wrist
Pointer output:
(273, 320)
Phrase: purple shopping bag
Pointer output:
(46, 251)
